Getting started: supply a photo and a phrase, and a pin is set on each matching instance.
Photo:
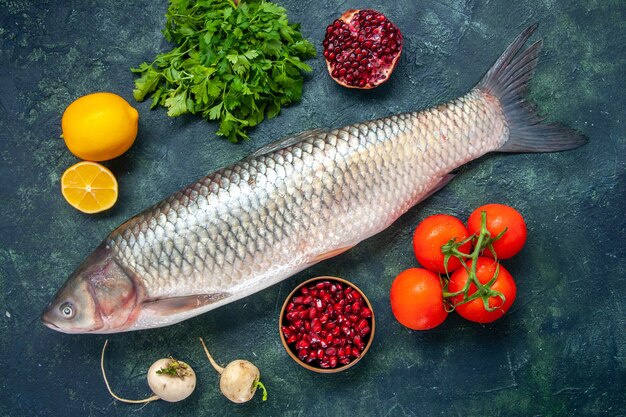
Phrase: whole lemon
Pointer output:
(99, 126)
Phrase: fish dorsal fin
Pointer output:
(176, 305)
(287, 141)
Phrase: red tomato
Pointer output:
(500, 217)
(475, 309)
(417, 299)
(434, 232)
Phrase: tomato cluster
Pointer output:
(461, 269)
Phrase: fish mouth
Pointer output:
(47, 322)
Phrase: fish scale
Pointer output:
(293, 203)
(269, 216)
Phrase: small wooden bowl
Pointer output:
(291, 351)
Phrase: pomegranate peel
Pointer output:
(361, 48)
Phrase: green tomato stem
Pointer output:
(483, 291)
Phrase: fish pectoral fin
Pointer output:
(442, 183)
(330, 254)
(174, 305)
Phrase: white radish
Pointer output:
(169, 379)
(239, 380)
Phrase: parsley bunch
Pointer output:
(236, 63)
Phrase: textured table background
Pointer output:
(560, 351)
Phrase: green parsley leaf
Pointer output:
(234, 63)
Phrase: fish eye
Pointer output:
(67, 310)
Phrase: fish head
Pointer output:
(99, 297)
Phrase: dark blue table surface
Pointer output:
(560, 351)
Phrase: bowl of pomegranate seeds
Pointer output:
(326, 324)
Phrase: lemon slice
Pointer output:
(89, 187)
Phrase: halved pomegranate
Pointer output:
(361, 48)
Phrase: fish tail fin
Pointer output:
(508, 81)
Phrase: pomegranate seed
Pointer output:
(344, 360)
(318, 304)
(313, 354)
(365, 312)
(362, 324)
(324, 364)
(353, 318)
(317, 327)
(307, 300)
(332, 361)
(292, 339)
(330, 351)
(314, 338)
(304, 291)
(297, 300)
(365, 330)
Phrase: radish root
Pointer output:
(218, 368)
(106, 382)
